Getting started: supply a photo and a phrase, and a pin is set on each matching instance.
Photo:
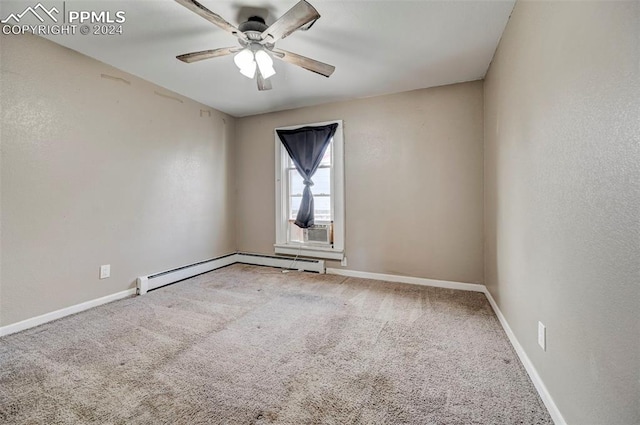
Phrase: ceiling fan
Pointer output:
(257, 42)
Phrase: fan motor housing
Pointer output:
(253, 28)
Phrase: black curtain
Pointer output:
(306, 147)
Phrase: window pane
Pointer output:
(295, 183)
(294, 206)
(322, 181)
(326, 159)
(321, 186)
(295, 233)
(322, 208)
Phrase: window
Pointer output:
(326, 239)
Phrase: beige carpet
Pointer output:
(251, 345)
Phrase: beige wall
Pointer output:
(562, 199)
(413, 171)
(95, 171)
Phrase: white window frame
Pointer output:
(336, 250)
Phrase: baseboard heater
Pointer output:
(147, 283)
(301, 264)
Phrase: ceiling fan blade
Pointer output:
(304, 62)
(207, 54)
(214, 18)
(262, 83)
(298, 16)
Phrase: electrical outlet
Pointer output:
(105, 271)
(542, 336)
(343, 263)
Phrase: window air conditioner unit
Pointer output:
(318, 234)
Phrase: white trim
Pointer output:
(337, 187)
(309, 251)
(48, 317)
(528, 365)
(409, 279)
(302, 264)
(281, 202)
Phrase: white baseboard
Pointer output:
(528, 365)
(48, 317)
(475, 287)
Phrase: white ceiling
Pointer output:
(377, 47)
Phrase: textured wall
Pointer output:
(413, 171)
(95, 171)
(562, 199)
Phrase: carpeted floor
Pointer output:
(251, 345)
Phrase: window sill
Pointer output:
(309, 251)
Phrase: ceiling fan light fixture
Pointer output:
(243, 59)
(265, 63)
(249, 70)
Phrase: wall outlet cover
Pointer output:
(105, 271)
(542, 336)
